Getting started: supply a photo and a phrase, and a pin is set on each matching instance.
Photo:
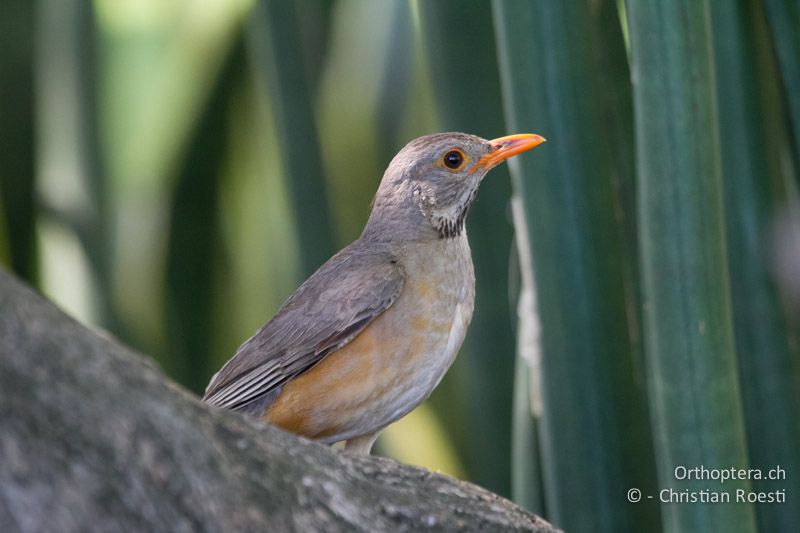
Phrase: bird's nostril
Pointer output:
(498, 146)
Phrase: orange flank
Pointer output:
(374, 369)
(344, 385)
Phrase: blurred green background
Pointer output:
(170, 171)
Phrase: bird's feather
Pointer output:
(328, 311)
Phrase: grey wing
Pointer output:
(330, 309)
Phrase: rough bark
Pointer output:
(94, 437)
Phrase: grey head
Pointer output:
(429, 186)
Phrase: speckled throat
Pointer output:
(451, 224)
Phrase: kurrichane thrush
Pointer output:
(372, 332)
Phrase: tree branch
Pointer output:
(93, 436)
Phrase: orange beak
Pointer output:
(505, 147)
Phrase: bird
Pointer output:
(373, 331)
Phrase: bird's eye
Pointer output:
(453, 159)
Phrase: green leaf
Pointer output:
(394, 88)
(72, 186)
(577, 193)
(17, 172)
(694, 391)
(784, 20)
(277, 46)
(747, 83)
(194, 234)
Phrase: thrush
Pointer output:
(371, 333)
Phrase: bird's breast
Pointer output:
(397, 361)
(439, 305)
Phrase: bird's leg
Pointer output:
(361, 445)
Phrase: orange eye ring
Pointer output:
(454, 159)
